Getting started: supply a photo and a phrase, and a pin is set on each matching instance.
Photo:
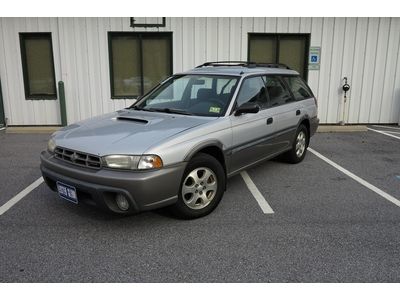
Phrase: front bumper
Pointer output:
(144, 190)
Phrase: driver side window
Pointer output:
(252, 90)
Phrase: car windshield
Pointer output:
(202, 95)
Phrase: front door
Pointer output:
(289, 49)
(251, 132)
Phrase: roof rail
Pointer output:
(225, 63)
(248, 64)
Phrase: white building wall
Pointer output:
(366, 50)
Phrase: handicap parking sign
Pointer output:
(314, 58)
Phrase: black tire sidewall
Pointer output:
(180, 209)
(293, 158)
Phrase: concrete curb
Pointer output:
(321, 128)
(33, 129)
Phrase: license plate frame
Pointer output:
(67, 192)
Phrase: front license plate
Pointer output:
(67, 192)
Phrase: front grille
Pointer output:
(78, 158)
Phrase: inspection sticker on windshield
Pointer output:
(214, 109)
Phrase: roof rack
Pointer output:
(235, 63)
(225, 63)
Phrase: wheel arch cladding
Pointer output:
(213, 149)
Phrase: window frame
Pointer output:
(290, 90)
(277, 37)
(284, 85)
(36, 35)
(235, 105)
(139, 35)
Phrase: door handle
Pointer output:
(269, 121)
(297, 112)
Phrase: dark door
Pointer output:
(2, 118)
(289, 49)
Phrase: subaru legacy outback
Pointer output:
(178, 144)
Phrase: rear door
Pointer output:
(251, 132)
(302, 95)
(284, 110)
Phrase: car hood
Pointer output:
(124, 132)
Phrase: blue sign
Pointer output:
(314, 58)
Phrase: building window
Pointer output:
(138, 61)
(289, 49)
(38, 65)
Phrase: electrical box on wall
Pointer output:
(314, 58)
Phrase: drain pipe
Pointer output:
(63, 108)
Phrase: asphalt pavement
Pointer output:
(326, 227)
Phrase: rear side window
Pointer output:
(278, 94)
(252, 90)
(298, 87)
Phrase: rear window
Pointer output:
(298, 87)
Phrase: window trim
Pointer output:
(36, 35)
(277, 37)
(282, 81)
(290, 89)
(139, 35)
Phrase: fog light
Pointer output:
(122, 202)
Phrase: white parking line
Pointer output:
(389, 127)
(382, 132)
(14, 200)
(391, 132)
(356, 178)
(2, 128)
(256, 193)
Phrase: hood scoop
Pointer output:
(132, 119)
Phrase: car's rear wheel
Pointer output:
(201, 189)
(299, 147)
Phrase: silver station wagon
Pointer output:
(178, 144)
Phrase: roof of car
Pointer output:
(240, 69)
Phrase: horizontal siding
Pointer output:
(366, 50)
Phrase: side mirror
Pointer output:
(247, 108)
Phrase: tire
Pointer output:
(299, 146)
(202, 187)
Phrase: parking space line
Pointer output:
(382, 132)
(388, 127)
(14, 200)
(256, 193)
(356, 178)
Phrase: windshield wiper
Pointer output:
(171, 111)
(164, 110)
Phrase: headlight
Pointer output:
(129, 162)
(132, 162)
(51, 145)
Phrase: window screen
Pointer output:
(38, 66)
(299, 89)
(289, 49)
(277, 92)
(138, 61)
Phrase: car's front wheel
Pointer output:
(201, 189)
